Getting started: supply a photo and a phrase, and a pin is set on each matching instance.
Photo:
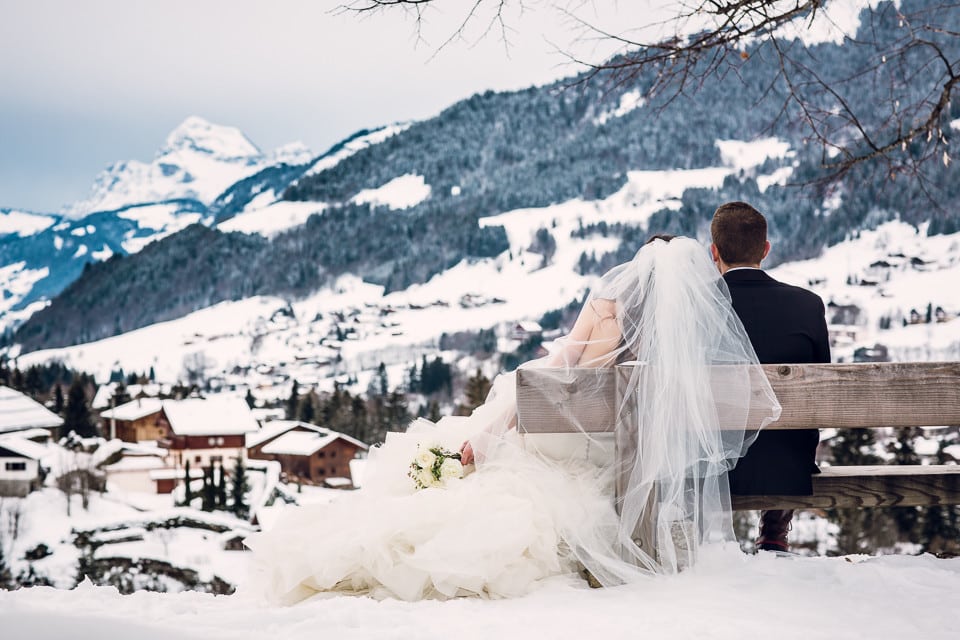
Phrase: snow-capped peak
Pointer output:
(199, 135)
(292, 153)
(198, 161)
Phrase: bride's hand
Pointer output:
(466, 453)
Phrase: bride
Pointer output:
(696, 395)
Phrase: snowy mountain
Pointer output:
(198, 161)
(132, 204)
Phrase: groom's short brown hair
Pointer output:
(739, 232)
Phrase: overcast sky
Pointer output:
(84, 84)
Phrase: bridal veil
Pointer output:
(691, 397)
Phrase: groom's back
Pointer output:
(786, 324)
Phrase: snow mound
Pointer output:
(402, 192)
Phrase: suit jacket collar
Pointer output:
(747, 275)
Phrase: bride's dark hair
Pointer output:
(666, 237)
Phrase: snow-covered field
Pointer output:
(727, 596)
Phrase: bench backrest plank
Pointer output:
(887, 394)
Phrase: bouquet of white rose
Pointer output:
(434, 467)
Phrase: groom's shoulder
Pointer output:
(796, 292)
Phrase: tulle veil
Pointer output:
(691, 398)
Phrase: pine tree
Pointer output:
(152, 376)
(58, 401)
(250, 400)
(209, 490)
(238, 490)
(76, 414)
(221, 488)
(120, 395)
(187, 489)
(476, 390)
(307, 411)
(6, 578)
(293, 402)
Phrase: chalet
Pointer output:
(207, 430)
(845, 314)
(20, 469)
(133, 466)
(19, 412)
(876, 353)
(105, 392)
(137, 420)
(525, 329)
(306, 452)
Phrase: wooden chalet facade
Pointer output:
(137, 421)
(20, 470)
(306, 452)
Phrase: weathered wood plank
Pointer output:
(566, 400)
(863, 395)
(852, 487)
(876, 394)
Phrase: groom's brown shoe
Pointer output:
(774, 526)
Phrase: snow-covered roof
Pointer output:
(306, 443)
(214, 415)
(19, 412)
(529, 326)
(35, 433)
(134, 410)
(337, 482)
(105, 392)
(22, 447)
(274, 428)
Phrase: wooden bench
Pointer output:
(825, 396)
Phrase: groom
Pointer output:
(786, 324)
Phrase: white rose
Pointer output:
(451, 468)
(425, 478)
(426, 458)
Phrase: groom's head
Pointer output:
(739, 236)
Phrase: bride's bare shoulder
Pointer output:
(603, 308)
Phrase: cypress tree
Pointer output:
(238, 490)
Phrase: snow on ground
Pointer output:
(23, 224)
(910, 271)
(402, 192)
(727, 596)
(160, 217)
(742, 155)
(834, 22)
(268, 219)
(334, 157)
(628, 102)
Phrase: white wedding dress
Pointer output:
(524, 515)
(494, 533)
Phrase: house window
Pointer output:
(333, 470)
(333, 454)
(197, 459)
(321, 454)
(16, 466)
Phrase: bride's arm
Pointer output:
(592, 342)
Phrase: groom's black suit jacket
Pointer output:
(786, 324)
